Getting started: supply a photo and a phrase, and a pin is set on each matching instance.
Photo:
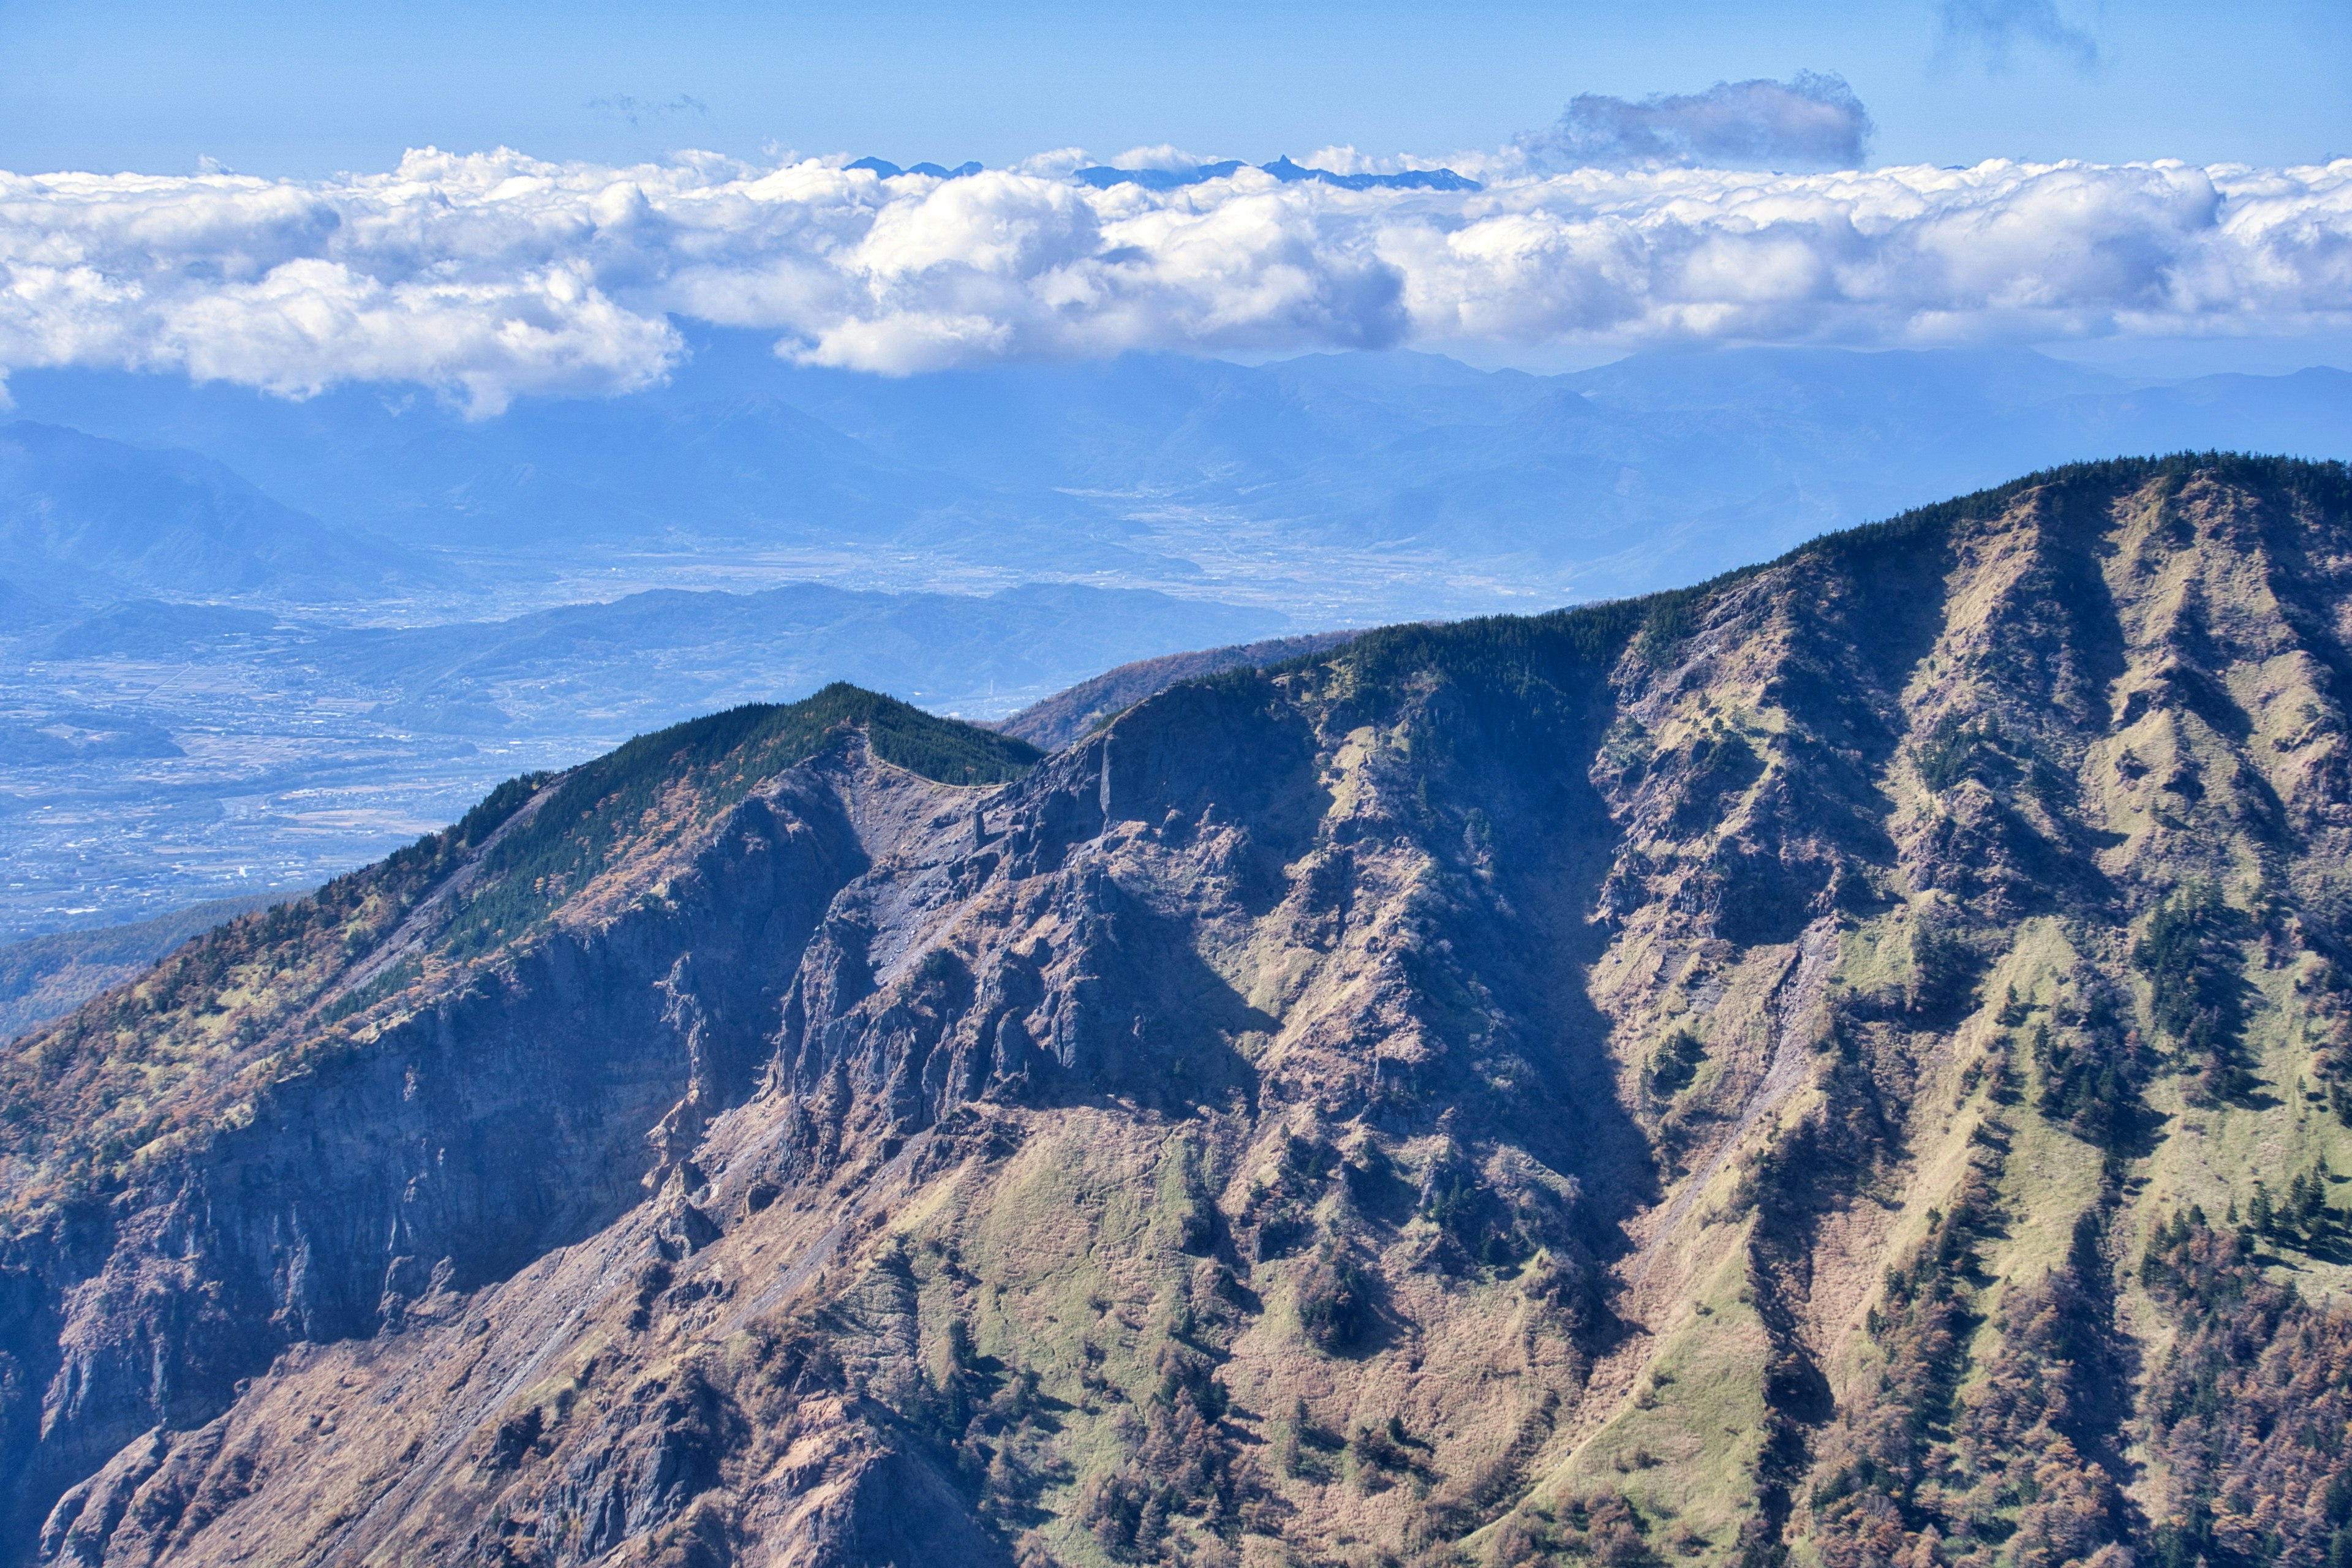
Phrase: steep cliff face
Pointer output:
(1846, 1065)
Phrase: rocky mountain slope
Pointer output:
(1076, 713)
(1844, 1065)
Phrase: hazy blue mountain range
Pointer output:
(648, 657)
(1103, 176)
(1334, 488)
(889, 171)
(81, 517)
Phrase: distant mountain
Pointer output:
(1102, 177)
(82, 515)
(22, 607)
(731, 468)
(714, 461)
(656, 656)
(2308, 414)
(650, 659)
(152, 628)
(890, 171)
(76, 737)
(1389, 485)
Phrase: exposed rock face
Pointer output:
(1835, 1064)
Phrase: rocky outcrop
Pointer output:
(1828, 1063)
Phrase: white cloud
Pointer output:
(1342, 158)
(493, 275)
(1166, 155)
(1811, 122)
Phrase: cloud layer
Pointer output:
(494, 275)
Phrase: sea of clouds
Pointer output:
(493, 274)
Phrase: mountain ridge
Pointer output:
(1064, 717)
(1787, 1069)
(86, 515)
(1602, 481)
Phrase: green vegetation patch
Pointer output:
(603, 807)
(1956, 749)
(82, 1100)
(2192, 955)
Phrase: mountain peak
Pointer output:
(1596, 1086)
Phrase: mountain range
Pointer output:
(1847, 1063)
(1332, 489)
(83, 518)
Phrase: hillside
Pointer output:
(1847, 1064)
(1072, 714)
(84, 516)
(43, 976)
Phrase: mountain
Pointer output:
(88, 517)
(1072, 714)
(717, 460)
(150, 629)
(1336, 488)
(1103, 177)
(153, 753)
(43, 976)
(649, 658)
(1847, 1064)
(23, 608)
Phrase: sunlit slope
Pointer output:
(1844, 1064)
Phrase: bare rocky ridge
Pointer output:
(1822, 1067)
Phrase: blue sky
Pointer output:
(306, 88)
